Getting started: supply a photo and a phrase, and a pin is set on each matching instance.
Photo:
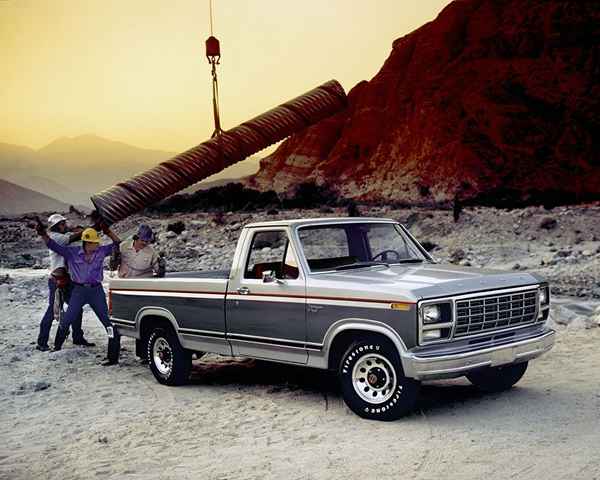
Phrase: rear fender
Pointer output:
(159, 312)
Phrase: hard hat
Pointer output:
(145, 233)
(55, 219)
(90, 235)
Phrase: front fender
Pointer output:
(321, 359)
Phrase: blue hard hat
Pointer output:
(145, 233)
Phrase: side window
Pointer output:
(270, 251)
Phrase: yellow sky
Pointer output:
(134, 70)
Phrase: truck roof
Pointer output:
(318, 220)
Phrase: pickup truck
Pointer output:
(356, 295)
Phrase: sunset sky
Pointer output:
(135, 71)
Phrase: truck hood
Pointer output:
(421, 281)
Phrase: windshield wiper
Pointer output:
(361, 265)
(411, 260)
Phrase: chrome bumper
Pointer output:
(433, 367)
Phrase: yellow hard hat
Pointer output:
(90, 235)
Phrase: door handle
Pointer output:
(243, 290)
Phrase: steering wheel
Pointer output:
(384, 255)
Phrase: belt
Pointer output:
(88, 285)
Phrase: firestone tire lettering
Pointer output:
(404, 395)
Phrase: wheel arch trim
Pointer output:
(155, 312)
(365, 325)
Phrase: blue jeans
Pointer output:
(48, 317)
(80, 296)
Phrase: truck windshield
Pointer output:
(356, 245)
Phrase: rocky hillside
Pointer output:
(493, 100)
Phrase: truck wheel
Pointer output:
(497, 379)
(373, 383)
(169, 361)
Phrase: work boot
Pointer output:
(84, 343)
(42, 348)
(60, 338)
(107, 362)
(113, 350)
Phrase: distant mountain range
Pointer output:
(71, 169)
(16, 200)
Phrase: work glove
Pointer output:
(39, 227)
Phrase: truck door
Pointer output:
(266, 300)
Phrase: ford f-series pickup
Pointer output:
(356, 295)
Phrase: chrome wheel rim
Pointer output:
(374, 378)
(162, 355)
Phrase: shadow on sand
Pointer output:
(280, 377)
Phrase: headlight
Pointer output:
(431, 314)
(436, 321)
(544, 296)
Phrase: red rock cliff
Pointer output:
(491, 98)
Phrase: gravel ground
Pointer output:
(66, 417)
(562, 244)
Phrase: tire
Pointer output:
(169, 362)
(497, 379)
(366, 369)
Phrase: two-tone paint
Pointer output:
(297, 321)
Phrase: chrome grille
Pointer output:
(495, 312)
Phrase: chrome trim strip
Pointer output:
(194, 331)
(123, 321)
(273, 339)
(232, 340)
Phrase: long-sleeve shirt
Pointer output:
(56, 260)
(80, 269)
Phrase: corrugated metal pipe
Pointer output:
(218, 153)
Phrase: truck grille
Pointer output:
(496, 312)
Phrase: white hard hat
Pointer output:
(55, 219)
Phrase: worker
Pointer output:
(85, 265)
(138, 258)
(59, 279)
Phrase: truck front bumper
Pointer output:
(431, 366)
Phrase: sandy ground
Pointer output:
(65, 417)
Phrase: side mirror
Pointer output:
(268, 276)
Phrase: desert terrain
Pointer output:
(65, 416)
